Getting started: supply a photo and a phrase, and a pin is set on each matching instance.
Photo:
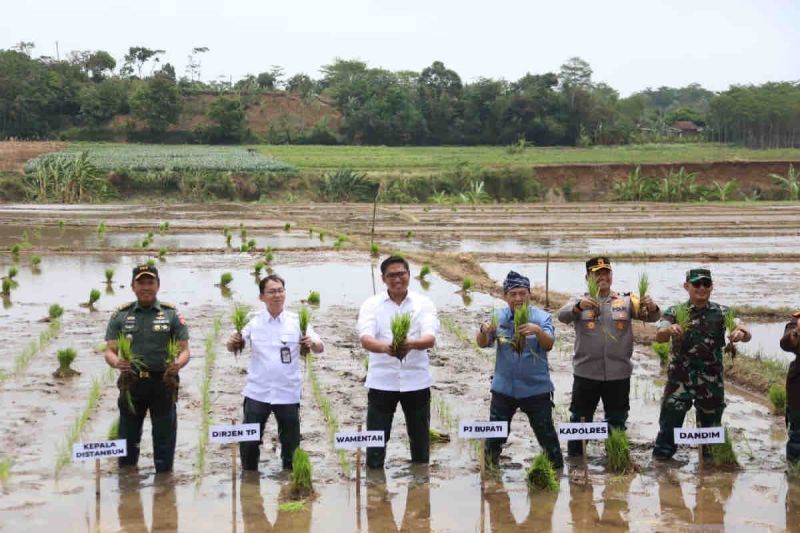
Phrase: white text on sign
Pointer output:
(583, 431)
(86, 451)
(233, 433)
(350, 440)
(468, 429)
(699, 435)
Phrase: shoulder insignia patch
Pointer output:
(167, 305)
(126, 306)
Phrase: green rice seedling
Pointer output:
(170, 378)
(228, 238)
(644, 287)
(520, 319)
(146, 243)
(592, 287)
(126, 379)
(494, 319)
(25, 239)
(162, 252)
(61, 224)
(5, 469)
(36, 260)
(163, 227)
(682, 316)
(313, 298)
(374, 249)
(7, 283)
(109, 273)
(15, 251)
(291, 507)
(287, 226)
(173, 349)
(777, 397)
(304, 315)
(400, 326)
(618, 452)
(258, 267)
(321, 236)
(338, 243)
(226, 230)
(541, 475)
(12, 272)
(310, 232)
(724, 454)
(94, 295)
(243, 234)
(225, 279)
(251, 245)
(65, 359)
(243, 248)
(466, 285)
(101, 229)
(239, 319)
(150, 262)
(424, 271)
(301, 474)
(409, 234)
(268, 256)
(730, 325)
(662, 350)
(113, 430)
(54, 312)
(437, 437)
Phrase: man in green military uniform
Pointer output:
(791, 343)
(149, 325)
(695, 371)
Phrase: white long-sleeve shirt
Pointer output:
(269, 379)
(385, 371)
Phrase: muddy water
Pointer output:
(772, 284)
(446, 496)
(766, 340)
(760, 244)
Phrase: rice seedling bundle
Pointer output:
(225, 279)
(15, 250)
(239, 319)
(54, 312)
(12, 272)
(682, 316)
(730, 325)
(400, 326)
(162, 252)
(150, 262)
(258, 267)
(520, 319)
(618, 452)
(113, 430)
(777, 397)
(424, 271)
(723, 454)
(94, 295)
(170, 378)
(126, 379)
(101, 228)
(36, 260)
(313, 298)
(541, 475)
(287, 226)
(301, 474)
(437, 437)
(374, 250)
(466, 284)
(644, 287)
(109, 273)
(662, 350)
(304, 315)
(7, 287)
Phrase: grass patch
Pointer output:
(757, 375)
(541, 475)
(618, 452)
(453, 328)
(301, 475)
(324, 403)
(205, 397)
(777, 397)
(724, 454)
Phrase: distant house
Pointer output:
(684, 127)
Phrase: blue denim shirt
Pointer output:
(520, 376)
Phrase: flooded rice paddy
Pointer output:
(38, 409)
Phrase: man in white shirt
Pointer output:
(398, 374)
(273, 378)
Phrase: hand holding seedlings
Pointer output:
(235, 343)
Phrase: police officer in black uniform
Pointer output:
(149, 325)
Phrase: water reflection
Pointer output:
(711, 495)
(581, 504)
(417, 516)
(540, 511)
(131, 511)
(792, 503)
(254, 514)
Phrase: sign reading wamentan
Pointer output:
(351, 440)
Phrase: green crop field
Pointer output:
(422, 159)
(145, 157)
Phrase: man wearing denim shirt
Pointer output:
(521, 378)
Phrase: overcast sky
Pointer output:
(630, 44)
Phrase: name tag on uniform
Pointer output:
(286, 355)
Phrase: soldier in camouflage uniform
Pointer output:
(695, 371)
(791, 343)
(150, 325)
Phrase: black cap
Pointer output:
(696, 274)
(144, 270)
(598, 263)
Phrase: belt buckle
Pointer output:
(143, 374)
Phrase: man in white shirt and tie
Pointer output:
(402, 374)
(273, 378)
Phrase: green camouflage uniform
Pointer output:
(789, 342)
(149, 329)
(694, 375)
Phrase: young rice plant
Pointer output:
(541, 475)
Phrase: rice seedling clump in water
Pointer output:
(618, 451)
(301, 474)
(400, 325)
(225, 279)
(777, 397)
(54, 312)
(541, 475)
(424, 271)
(313, 298)
(724, 454)
(65, 359)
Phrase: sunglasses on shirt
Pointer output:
(701, 283)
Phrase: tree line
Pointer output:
(44, 97)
